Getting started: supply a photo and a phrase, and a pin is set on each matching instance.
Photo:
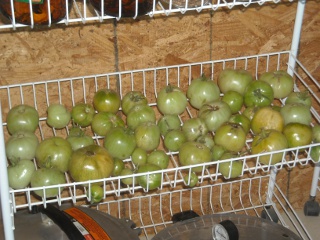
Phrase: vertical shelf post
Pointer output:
(296, 36)
(4, 188)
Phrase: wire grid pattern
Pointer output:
(82, 12)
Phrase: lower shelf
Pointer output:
(153, 213)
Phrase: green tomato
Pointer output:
(193, 128)
(96, 194)
(127, 180)
(215, 114)
(106, 100)
(159, 157)
(242, 120)
(296, 112)
(202, 90)
(102, 122)
(268, 141)
(167, 123)
(139, 156)
(171, 100)
(78, 139)
(267, 118)
(217, 152)
(47, 177)
(206, 140)
(82, 114)
(191, 153)
(231, 169)
(118, 167)
(22, 118)
(58, 116)
(54, 152)
(120, 142)
(191, 180)
(140, 113)
(299, 97)
(90, 163)
(259, 94)
(280, 81)
(234, 100)
(147, 136)
(21, 145)
(174, 139)
(234, 80)
(298, 134)
(131, 99)
(19, 175)
(231, 136)
(315, 153)
(150, 180)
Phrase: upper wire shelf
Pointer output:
(81, 11)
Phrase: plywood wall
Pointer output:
(86, 49)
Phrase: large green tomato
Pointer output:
(58, 116)
(78, 138)
(234, 80)
(120, 142)
(90, 163)
(54, 152)
(22, 118)
(171, 100)
(21, 145)
(106, 100)
(259, 94)
(303, 97)
(194, 128)
(296, 112)
(47, 177)
(102, 122)
(202, 90)
(191, 153)
(280, 81)
(147, 136)
(268, 141)
(267, 118)
(19, 175)
(231, 136)
(140, 113)
(131, 99)
(215, 114)
(298, 134)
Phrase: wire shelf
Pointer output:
(82, 12)
(149, 81)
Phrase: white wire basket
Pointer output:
(173, 189)
(81, 11)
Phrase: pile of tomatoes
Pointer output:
(230, 111)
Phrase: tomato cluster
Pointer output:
(229, 111)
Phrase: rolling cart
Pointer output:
(255, 193)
